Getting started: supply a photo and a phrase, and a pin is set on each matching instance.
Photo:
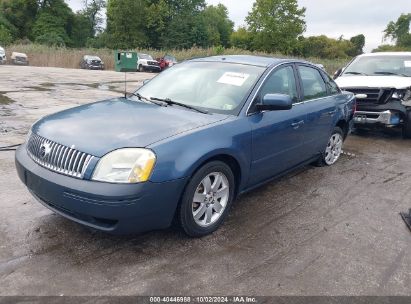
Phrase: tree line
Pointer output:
(398, 32)
(271, 26)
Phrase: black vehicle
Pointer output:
(92, 63)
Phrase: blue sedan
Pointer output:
(186, 144)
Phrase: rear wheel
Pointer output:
(333, 150)
(207, 199)
(140, 68)
(406, 129)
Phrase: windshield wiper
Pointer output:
(356, 73)
(172, 102)
(139, 96)
(390, 73)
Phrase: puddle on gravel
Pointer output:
(47, 84)
(39, 88)
(4, 100)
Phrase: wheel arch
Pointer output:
(344, 125)
(230, 160)
(226, 158)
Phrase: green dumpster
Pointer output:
(125, 61)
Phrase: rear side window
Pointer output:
(312, 82)
(332, 86)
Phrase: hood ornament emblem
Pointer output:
(45, 150)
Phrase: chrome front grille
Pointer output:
(56, 157)
(374, 96)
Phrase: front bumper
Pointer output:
(16, 62)
(114, 208)
(387, 118)
(95, 67)
(152, 68)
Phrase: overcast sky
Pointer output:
(329, 17)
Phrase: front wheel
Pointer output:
(333, 150)
(406, 129)
(207, 199)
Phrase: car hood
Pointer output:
(104, 126)
(397, 82)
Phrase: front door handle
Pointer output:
(296, 125)
(331, 113)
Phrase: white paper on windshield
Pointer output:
(129, 55)
(228, 107)
(407, 64)
(232, 78)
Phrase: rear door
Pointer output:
(319, 104)
(277, 136)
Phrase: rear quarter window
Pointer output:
(312, 83)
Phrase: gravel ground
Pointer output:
(318, 231)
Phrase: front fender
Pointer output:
(180, 156)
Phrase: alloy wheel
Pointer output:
(334, 149)
(210, 199)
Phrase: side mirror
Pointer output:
(338, 73)
(275, 102)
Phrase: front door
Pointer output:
(277, 136)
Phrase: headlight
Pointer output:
(125, 166)
(404, 96)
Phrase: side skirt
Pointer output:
(276, 177)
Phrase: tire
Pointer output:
(333, 150)
(200, 214)
(140, 68)
(406, 129)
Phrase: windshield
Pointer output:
(145, 56)
(380, 65)
(92, 58)
(2, 51)
(213, 86)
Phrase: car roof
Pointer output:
(18, 54)
(91, 57)
(386, 54)
(260, 61)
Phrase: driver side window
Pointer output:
(282, 81)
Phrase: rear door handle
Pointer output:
(296, 125)
(332, 112)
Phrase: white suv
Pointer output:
(147, 63)
(3, 58)
(382, 84)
